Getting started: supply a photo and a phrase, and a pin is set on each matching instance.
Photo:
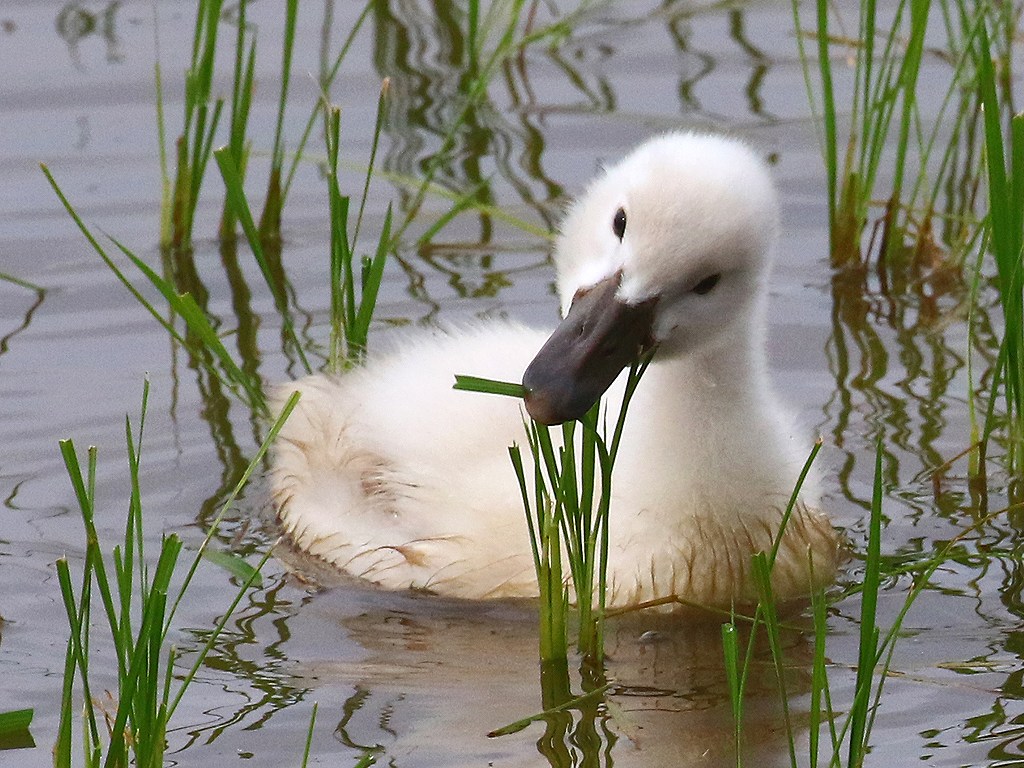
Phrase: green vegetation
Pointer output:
(202, 112)
(882, 130)
(974, 138)
(881, 144)
(14, 726)
(847, 732)
(195, 143)
(567, 500)
(1004, 153)
(138, 599)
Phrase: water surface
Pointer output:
(422, 678)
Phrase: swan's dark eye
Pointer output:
(707, 284)
(619, 223)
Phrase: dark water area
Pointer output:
(420, 678)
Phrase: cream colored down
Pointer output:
(392, 476)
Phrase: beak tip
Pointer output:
(599, 336)
(540, 408)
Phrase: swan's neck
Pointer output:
(714, 380)
(708, 463)
(706, 426)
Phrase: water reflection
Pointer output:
(21, 288)
(404, 674)
(899, 356)
(408, 677)
(439, 130)
(75, 23)
(181, 270)
(269, 689)
(894, 356)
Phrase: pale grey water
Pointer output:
(423, 678)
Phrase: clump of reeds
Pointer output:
(1004, 161)
(354, 280)
(883, 112)
(138, 598)
(193, 146)
(566, 496)
(847, 729)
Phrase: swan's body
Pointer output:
(391, 475)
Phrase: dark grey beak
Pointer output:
(599, 337)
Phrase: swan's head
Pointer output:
(668, 248)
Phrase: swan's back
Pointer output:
(391, 475)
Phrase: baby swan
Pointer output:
(391, 475)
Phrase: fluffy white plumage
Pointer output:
(390, 475)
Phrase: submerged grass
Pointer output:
(138, 601)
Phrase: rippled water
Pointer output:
(424, 678)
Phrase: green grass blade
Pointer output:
(309, 735)
(869, 634)
(185, 306)
(488, 386)
(291, 17)
(565, 706)
(461, 204)
(68, 711)
(793, 499)
(730, 647)
(270, 218)
(325, 85)
(275, 429)
(516, 456)
(819, 675)
(15, 720)
(377, 128)
(85, 493)
(1006, 235)
(6, 278)
(371, 278)
(215, 634)
(766, 598)
(79, 632)
(236, 195)
(235, 565)
(139, 672)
